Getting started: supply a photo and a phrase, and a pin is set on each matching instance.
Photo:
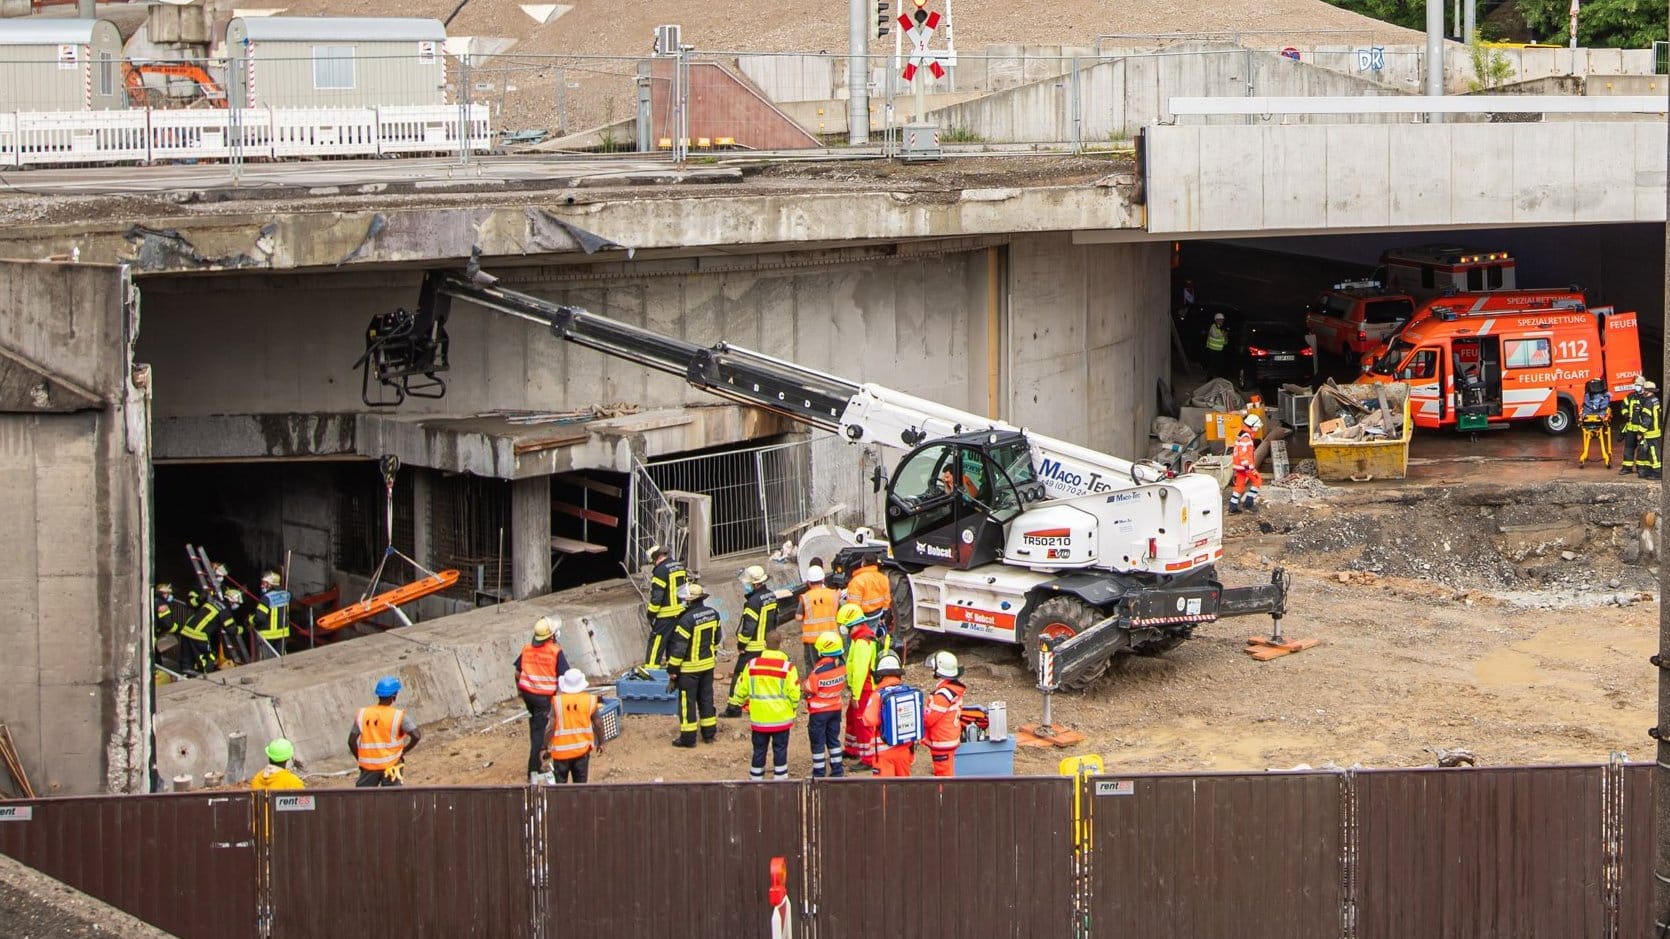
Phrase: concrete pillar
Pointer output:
(86, 9)
(858, 72)
(530, 537)
(1435, 54)
(423, 537)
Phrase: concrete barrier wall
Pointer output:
(1240, 179)
(454, 667)
(1119, 97)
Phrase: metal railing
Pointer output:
(758, 493)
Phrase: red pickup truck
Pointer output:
(1354, 317)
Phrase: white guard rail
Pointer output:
(140, 135)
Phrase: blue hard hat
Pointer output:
(388, 686)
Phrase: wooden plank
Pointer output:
(590, 515)
(537, 444)
(571, 546)
(595, 485)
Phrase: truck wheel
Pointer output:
(904, 608)
(1561, 420)
(1060, 619)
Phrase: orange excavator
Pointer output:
(207, 94)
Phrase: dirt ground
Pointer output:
(1502, 607)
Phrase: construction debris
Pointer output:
(1357, 420)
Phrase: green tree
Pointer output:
(1623, 24)
(1407, 13)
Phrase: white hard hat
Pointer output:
(814, 574)
(889, 663)
(1217, 316)
(754, 574)
(271, 578)
(1650, 386)
(654, 550)
(944, 665)
(1252, 423)
(572, 681)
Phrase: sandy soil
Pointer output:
(1449, 617)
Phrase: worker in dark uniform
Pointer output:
(171, 614)
(234, 643)
(1649, 462)
(1630, 412)
(664, 608)
(759, 613)
(202, 632)
(271, 617)
(692, 654)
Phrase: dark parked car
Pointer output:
(1263, 354)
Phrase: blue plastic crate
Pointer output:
(646, 695)
(986, 757)
(608, 717)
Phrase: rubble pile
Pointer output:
(1359, 420)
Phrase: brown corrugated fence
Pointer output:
(1524, 852)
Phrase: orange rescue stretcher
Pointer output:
(389, 601)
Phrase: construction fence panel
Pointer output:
(1636, 852)
(691, 860)
(432, 129)
(428, 862)
(185, 863)
(176, 135)
(8, 139)
(82, 137)
(321, 132)
(1515, 851)
(971, 858)
(756, 493)
(1242, 856)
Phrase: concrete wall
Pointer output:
(823, 77)
(1242, 179)
(916, 322)
(1120, 97)
(74, 562)
(1087, 371)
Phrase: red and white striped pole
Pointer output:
(1046, 684)
(782, 912)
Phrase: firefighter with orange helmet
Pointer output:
(1245, 464)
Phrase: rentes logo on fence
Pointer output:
(292, 803)
(16, 813)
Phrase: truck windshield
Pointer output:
(1015, 459)
(1393, 357)
(1390, 310)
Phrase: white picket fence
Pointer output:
(144, 135)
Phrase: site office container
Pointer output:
(341, 62)
(1531, 364)
(60, 65)
(1426, 271)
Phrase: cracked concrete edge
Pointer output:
(94, 915)
(298, 237)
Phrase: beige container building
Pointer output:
(335, 62)
(60, 65)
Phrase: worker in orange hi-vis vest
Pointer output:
(382, 736)
(1245, 465)
(816, 614)
(870, 589)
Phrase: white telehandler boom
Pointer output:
(994, 531)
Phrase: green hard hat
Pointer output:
(280, 751)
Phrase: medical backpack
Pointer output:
(901, 714)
